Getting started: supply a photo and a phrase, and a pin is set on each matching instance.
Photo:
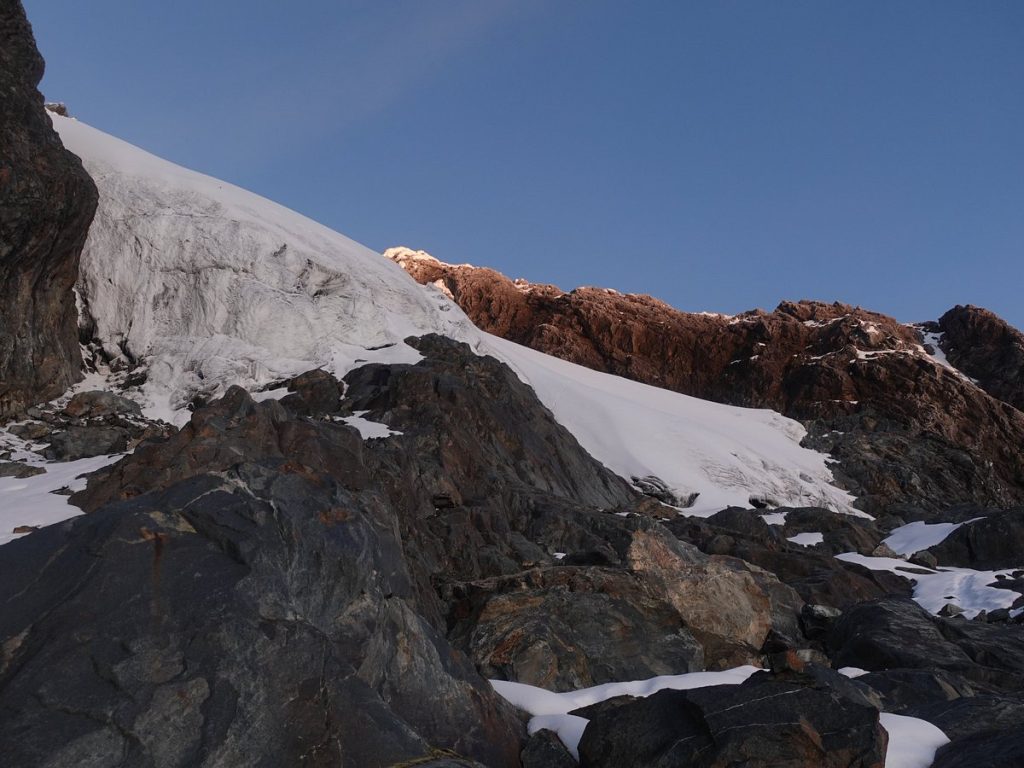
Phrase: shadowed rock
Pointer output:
(47, 202)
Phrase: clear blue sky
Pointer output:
(719, 155)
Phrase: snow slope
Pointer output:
(214, 286)
(208, 285)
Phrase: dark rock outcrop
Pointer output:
(907, 432)
(248, 608)
(994, 749)
(244, 581)
(47, 202)
(996, 541)
(986, 348)
(793, 719)
(894, 633)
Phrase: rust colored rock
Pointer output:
(47, 202)
(911, 435)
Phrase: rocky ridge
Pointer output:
(911, 435)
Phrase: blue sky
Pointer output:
(719, 155)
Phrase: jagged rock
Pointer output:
(905, 429)
(566, 628)
(986, 348)
(98, 403)
(545, 750)
(314, 392)
(30, 430)
(793, 720)
(910, 689)
(729, 605)
(817, 578)
(265, 611)
(897, 633)
(46, 204)
(80, 442)
(996, 541)
(19, 469)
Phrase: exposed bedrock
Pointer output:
(265, 585)
(46, 204)
(911, 435)
(986, 348)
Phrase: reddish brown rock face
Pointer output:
(47, 202)
(906, 430)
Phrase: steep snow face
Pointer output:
(728, 455)
(208, 285)
(211, 285)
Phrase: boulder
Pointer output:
(564, 628)
(19, 469)
(98, 403)
(993, 749)
(960, 718)
(794, 720)
(729, 605)
(994, 542)
(545, 750)
(82, 442)
(897, 633)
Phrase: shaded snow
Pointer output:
(912, 742)
(726, 453)
(369, 429)
(31, 501)
(852, 672)
(807, 539)
(964, 587)
(913, 537)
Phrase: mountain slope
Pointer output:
(911, 432)
(197, 285)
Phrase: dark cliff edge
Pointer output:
(47, 202)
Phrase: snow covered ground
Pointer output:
(209, 285)
(30, 501)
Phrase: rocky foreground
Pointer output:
(419, 565)
(266, 586)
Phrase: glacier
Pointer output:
(204, 285)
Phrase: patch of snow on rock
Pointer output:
(807, 539)
(31, 501)
(912, 742)
(551, 710)
(933, 589)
